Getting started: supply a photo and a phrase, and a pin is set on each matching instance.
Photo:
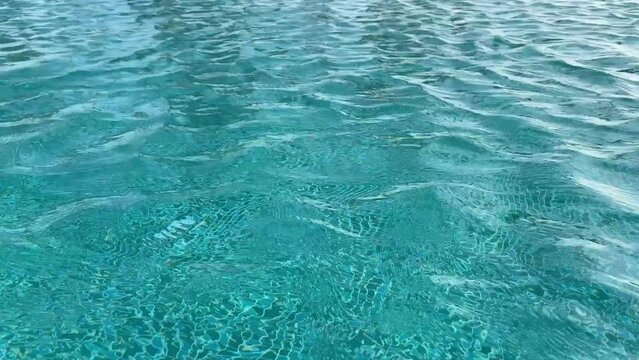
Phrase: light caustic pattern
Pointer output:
(396, 179)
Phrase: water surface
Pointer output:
(410, 179)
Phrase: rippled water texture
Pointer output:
(400, 179)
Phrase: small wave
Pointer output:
(23, 122)
(126, 138)
(625, 199)
(63, 211)
(332, 227)
(599, 151)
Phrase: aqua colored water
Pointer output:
(391, 179)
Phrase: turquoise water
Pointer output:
(409, 179)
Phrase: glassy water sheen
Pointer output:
(390, 179)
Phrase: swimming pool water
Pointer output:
(389, 179)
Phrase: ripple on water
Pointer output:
(343, 179)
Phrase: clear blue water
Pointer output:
(400, 179)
